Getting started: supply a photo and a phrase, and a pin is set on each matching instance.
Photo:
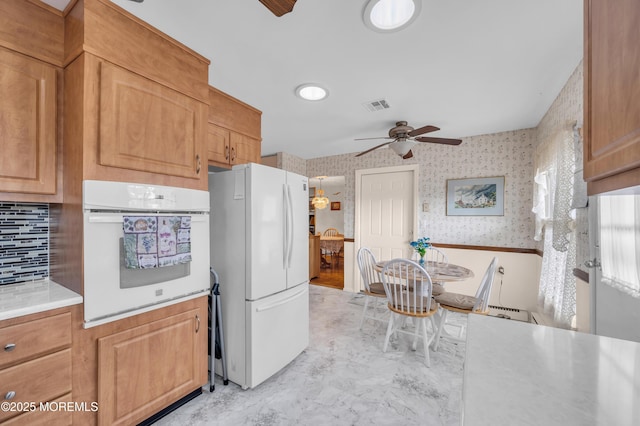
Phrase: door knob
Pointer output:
(592, 263)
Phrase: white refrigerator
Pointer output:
(260, 250)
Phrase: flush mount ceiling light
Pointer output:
(387, 16)
(311, 92)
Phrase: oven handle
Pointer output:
(117, 217)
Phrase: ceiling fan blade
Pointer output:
(423, 130)
(368, 139)
(374, 148)
(445, 141)
(279, 7)
(407, 155)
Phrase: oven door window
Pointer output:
(130, 278)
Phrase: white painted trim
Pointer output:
(415, 168)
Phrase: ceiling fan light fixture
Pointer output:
(390, 15)
(311, 92)
(402, 147)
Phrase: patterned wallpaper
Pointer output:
(24, 242)
(507, 154)
(291, 163)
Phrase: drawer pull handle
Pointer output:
(10, 395)
(9, 347)
(198, 164)
(198, 323)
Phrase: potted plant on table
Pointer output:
(421, 246)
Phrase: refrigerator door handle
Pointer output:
(281, 302)
(291, 225)
(285, 236)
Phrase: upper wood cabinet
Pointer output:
(136, 101)
(612, 95)
(147, 127)
(28, 131)
(31, 46)
(234, 131)
(226, 147)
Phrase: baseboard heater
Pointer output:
(510, 313)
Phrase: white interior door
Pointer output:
(386, 210)
(613, 312)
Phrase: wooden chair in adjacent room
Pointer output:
(408, 289)
(374, 295)
(461, 303)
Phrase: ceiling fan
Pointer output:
(279, 7)
(404, 137)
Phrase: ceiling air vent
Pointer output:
(377, 105)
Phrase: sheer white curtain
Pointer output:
(620, 242)
(555, 222)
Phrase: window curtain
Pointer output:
(619, 217)
(555, 223)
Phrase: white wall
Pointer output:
(518, 288)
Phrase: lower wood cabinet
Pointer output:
(314, 256)
(142, 370)
(35, 367)
(137, 366)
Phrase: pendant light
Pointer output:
(320, 201)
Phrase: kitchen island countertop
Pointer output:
(519, 373)
(34, 296)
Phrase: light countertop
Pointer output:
(35, 296)
(517, 373)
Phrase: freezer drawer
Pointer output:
(278, 332)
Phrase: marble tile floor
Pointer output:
(342, 378)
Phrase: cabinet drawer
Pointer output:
(42, 379)
(28, 340)
(55, 416)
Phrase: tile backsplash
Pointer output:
(24, 242)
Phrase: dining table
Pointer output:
(330, 245)
(439, 271)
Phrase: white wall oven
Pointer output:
(145, 247)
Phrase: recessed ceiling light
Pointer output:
(311, 92)
(391, 15)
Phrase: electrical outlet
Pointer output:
(501, 270)
(425, 207)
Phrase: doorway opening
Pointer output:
(326, 229)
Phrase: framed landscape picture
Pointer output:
(335, 205)
(475, 197)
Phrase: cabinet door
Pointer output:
(27, 125)
(612, 89)
(144, 369)
(218, 148)
(244, 149)
(148, 127)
